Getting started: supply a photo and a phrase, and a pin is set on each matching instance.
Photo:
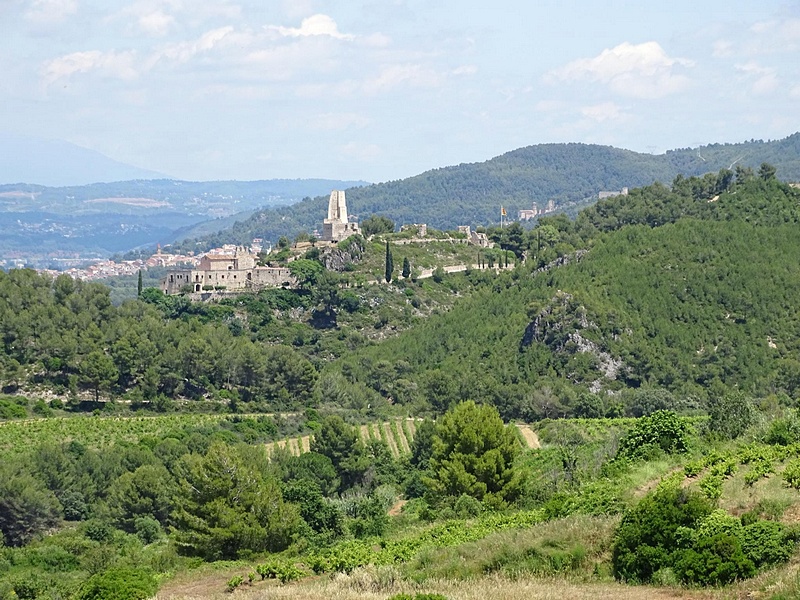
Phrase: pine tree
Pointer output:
(406, 268)
(389, 264)
(139, 285)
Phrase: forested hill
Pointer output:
(693, 290)
(571, 174)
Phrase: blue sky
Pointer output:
(385, 89)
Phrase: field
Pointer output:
(100, 432)
(397, 434)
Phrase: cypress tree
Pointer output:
(139, 285)
(389, 264)
(406, 268)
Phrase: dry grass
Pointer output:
(361, 586)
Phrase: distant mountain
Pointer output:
(25, 159)
(39, 222)
(571, 175)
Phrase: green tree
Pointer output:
(389, 264)
(648, 535)
(326, 291)
(139, 285)
(375, 224)
(97, 370)
(731, 414)
(147, 491)
(473, 453)
(27, 508)
(306, 271)
(406, 268)
(766, 171)
(230, 504)
(339, 442)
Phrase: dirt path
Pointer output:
(531, 439)
(397, 508)
(364, 431)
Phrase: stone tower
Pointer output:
(337, 227)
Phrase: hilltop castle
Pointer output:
(236, 272)
(337, 227)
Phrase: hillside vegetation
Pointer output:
(650, 344)
(703, 301)
(472, 194)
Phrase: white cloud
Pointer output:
(641, 70)
(182, 52)
(413, 75)
(779, 33)
(764, 79)
(156, 23)
(607, 111)
(315, 25)
(50, 12)
(119, 65)
(795, 92)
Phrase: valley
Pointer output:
(599, 405)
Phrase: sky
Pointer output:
(379, 90)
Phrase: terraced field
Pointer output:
(397, 434)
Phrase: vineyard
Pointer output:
(397, 435)
(100, 432)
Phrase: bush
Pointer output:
(648, 534)
(715, 560)
(662, 431)
(731, 415)
(119, 584)
(791, 474)
(234, 582)
(767, 543)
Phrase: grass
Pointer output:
(371, 584)
(574, 546)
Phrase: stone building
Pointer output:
(337, 227)
(235, 272)
(475, 238)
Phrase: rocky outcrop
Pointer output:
(343, 254)
(561, 325)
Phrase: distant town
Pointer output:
(103, 269)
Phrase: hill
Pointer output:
(38, 222)
(570, 174)
(703, 301)
(59, 163)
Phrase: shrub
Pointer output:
(648, 534)
(663, 430)
(715, 560)
(731, 415)
(791, 474)
(767, 543)
(235, 582)
(711, 486)
(119, 584)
